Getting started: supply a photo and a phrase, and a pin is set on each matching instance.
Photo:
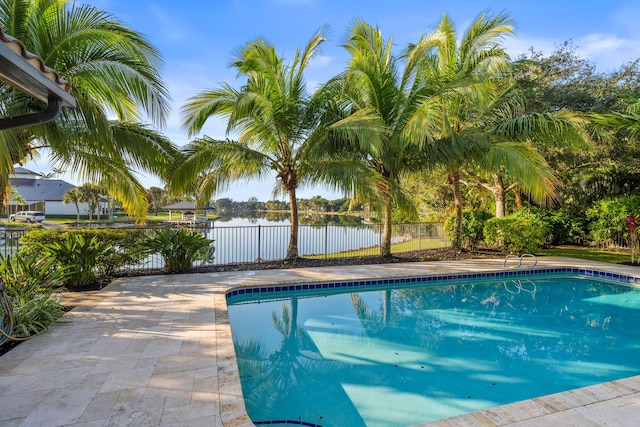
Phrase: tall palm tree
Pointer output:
(462, 73)
(279, 126)
(116, 82)
(387, 117)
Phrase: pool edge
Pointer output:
(232, 408)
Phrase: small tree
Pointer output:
(75, 196)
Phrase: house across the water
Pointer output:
(42, 194)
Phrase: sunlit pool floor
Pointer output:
(157, 351)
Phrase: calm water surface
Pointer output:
(397, 357)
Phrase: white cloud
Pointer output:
(321, 61)
(518, 45)
(608, 51)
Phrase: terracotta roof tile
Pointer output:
(18, 47)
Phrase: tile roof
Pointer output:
(18, 47)
(41, 189)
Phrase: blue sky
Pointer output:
(197, 38)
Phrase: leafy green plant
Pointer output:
(522, 232)
(568, 225)
(123, 245)
(80, 256)
(178, 247)
(473, 221)
(608, 219)
(31, 285)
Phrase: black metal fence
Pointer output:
(263, 243)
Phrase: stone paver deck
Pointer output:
(157, 351)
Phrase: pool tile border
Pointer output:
(252, 290)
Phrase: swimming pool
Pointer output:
(363, 353)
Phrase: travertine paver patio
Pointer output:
(157, 351)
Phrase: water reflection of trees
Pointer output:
(288, 373)
(456, 334)
(480, 310)
(315, 219)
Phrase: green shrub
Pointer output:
(178, 247)
(523, 232)
(30, 283)
(121, 246)
(568, 225)
(473, 221)
(608, 219)
(80, 257)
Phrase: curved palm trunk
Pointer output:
(292, 250)
(385, 248)
(454, 180)
(77, 213)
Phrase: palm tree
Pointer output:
(75, 196)
(387, 117)
(113, 72)
(512, 160)
(628, 121)
(462, 73)
(279, 126)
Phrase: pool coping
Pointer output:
(540, 410)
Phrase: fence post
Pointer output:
(326, 233)
(419, 236)
(259, 258)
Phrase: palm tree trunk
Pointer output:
(77, 214)
(386, 314)
(385, 249)
(454, 179)
(294, 317)
(292, 250)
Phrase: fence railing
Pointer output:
(263, 243)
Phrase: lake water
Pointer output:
(247, 240)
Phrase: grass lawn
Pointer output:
(408, 246)
(589, 254)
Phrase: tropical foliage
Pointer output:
(279, 126)
(522, 232)
(78, 257)
(118, 248)
(114, 74)
(31, 283)
(178, 247)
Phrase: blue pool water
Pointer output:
(382, 356)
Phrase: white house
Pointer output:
(43, 194)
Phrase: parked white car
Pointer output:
(27, 216)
